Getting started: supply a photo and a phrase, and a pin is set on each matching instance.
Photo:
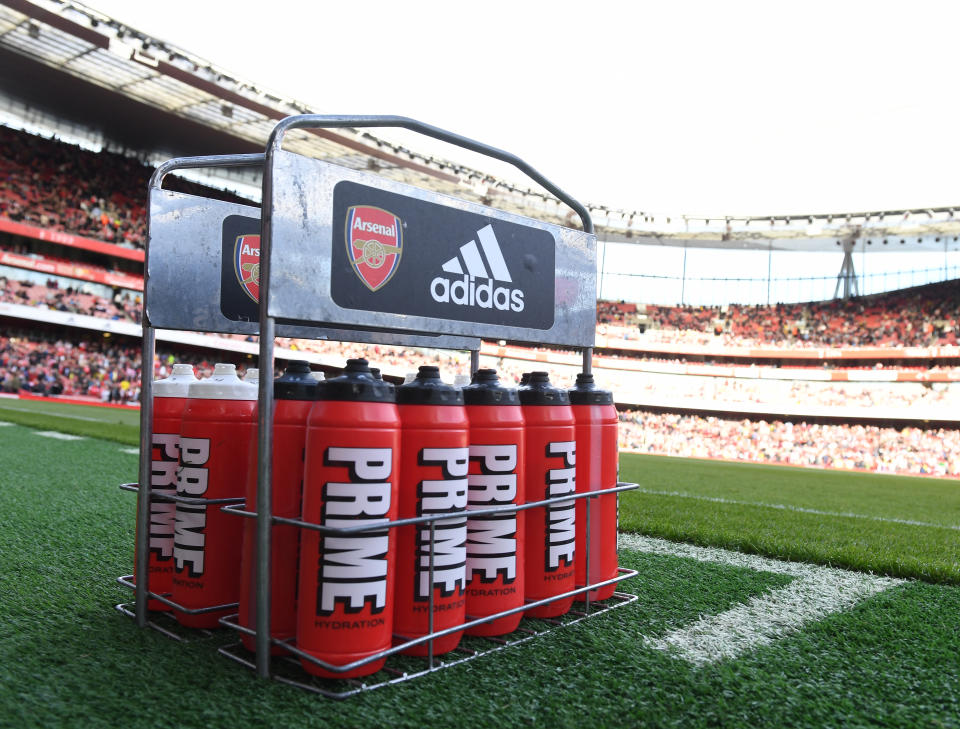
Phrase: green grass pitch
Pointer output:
(891, 525)
(115, 424)
(68, 659)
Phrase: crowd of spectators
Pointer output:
(616, 312)
(693, 391)
(62, 187)
(92, 367)
(71, 257)
(124, 305)
(911, 451)
(110, 370)
(87, 367)
(922, 316)
(630, 386)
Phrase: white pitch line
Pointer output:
(816, 593)
(133, 451)
(55, 415)
(58, 436)
(801, 509)
(4, 423)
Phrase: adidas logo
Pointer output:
(483, 262)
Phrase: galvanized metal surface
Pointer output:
(183, 276)
(264, 487)
(340, 121)
(302, 237)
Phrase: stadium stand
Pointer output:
(911, 451)
(688, 370)
(78, 366)
(124, 305)
(25, 254)
(75, 365)
(64, 188)
(684, 384)
(923, 316)
(110, 371)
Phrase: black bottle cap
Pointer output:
(539, 391)
(485, 389)
(585, 392)
(525, 379)
(295, 383)
(356, 384)
(375, 371)
(428, 389)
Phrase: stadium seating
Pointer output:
(65, 188)
(918, 317)
(60, 187)
(631, 386)
(911, 451)
(84, 366)
(124, 306)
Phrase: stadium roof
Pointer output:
(47, 46)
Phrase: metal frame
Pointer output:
(263, 513)
(529, 629)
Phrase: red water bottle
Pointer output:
(216, 435)
(345, 598)
(597, 456)
(433, 480)
(169, 401)
(293, 393)
(495, 542)
(550, 472)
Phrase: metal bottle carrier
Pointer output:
(186, 287)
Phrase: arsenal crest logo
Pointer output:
(374, 240)
(246, 264)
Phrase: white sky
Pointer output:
(667, 107)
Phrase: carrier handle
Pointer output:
(306, 121)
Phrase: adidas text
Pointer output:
(466, 292)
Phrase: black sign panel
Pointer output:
(402, 255)
(240, 268)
